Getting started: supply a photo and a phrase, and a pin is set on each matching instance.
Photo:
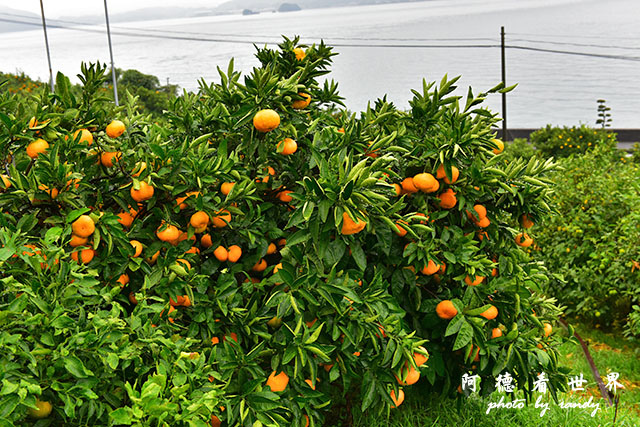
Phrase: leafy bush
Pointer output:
(227, 275)
(560, 142)
(518, 148)
(592, 241)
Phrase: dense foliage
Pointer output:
(591, 243)
(261, 255)
(152, 97)
(558, 142)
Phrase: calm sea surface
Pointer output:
(556, 88)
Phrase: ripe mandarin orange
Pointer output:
(266, 120)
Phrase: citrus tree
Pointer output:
(262, 255)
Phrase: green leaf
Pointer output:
(464, 336)
(52, 235)
(358, 255)
(75, 214)
(76, 367)
(121, 416)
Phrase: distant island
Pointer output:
(288, 7)
(19, 20)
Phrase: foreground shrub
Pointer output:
(256, 260)
(592, 242)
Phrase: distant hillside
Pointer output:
(8, 14)
(271, 5)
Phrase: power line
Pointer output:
(566, 52)
(347, 45)
(572, 36)
(199, 33)
(575, 44)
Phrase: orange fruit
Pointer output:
(266, 120)
(547, 329)
(271, 249)
(180, 200)
(221, 219)
(301, 103)
(448, 199)
(77, 240)
(226, 187)
(33, 123)
(270, 172)
(401, 230)
(126, 219)
(274, 322)
(277, 382)
(480, 210)
(483, 223)
(145, 192)
(300, 53)
(123, 280)
(215, 340)
(441, 174)
(85, 136)
(475, 281)
(351, 227)
(310, 383)
(426, 183)
(5, 182)
(408, 375)
(137, 248)
(398, 189)
(193, 250)
(43, 409)
(496, 332)
(260, 266)
(409, 186)
(37, 147)
(115, 129)
(199, 220)
(85, 255)
(284, 196)
(132, 298)
(446, 310)
(170, 233)
(523, 239)
(205, 241)
(138, 169)
(107, 158)
(53, 193)
(221, 253)
(499, 146)
(490, 313)
(526, 221)
(83, 226)
(184, 262)
(430, 268)
(215, 421)
(277, 267)
(397, 402)
(234, 253)
(152, 259)
(420, 358)
(287, 146)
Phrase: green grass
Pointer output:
(611, 353)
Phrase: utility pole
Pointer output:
(504, 82)
(46, 42)
(113, 69)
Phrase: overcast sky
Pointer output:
(65, 8)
